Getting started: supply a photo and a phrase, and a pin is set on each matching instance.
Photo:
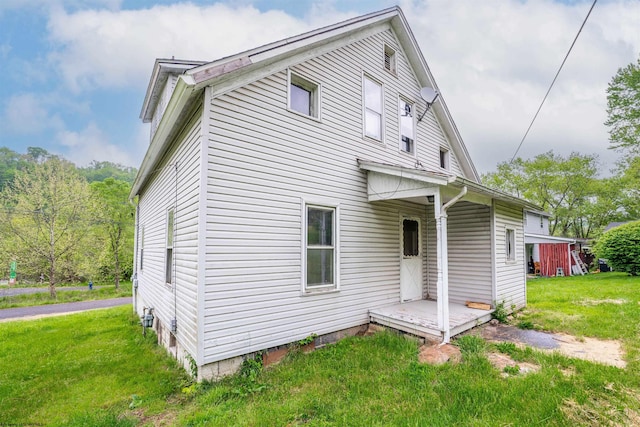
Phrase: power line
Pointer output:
(554, 80)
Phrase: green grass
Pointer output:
(83, 369)
(105, 291)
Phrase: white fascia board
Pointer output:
(181, 94)
(495, 194)
(408, 173)
(541, 238)
(161, 68)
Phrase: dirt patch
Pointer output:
(590, 302)
(607, 352)
(506, 364)
(439, 354)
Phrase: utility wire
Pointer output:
(554, 80)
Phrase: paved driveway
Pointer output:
(26, 313)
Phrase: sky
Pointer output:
(75, 72)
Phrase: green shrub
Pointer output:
(620, 246)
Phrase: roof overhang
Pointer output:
(542, 238)
(392, 182)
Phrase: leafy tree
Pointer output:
(117, 220)
(623, 108)
(10, 163)
(99, 171)
(48, 210)
(629, 178)
(562, 186)
(620, 246)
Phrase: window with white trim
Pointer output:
(304, 96)
(169, 256)
(372, 108)
(510, 244)
(320, 248)
(407, 126)
(390, 60)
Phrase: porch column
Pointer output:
(443, 267)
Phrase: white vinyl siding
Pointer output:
(165, 95)
(510, 274)
(160, 195)
(262, 161)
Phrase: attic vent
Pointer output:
(389, 59)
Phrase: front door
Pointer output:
(410, 260)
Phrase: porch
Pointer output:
(421, 317)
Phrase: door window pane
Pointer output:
(410, 236)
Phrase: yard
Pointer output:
(96, 369)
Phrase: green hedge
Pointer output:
(620, 246)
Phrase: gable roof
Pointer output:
(234, 71)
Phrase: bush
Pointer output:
(620, 246)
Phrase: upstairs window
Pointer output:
(390, 60)
(407, 126)
(372, 109)
(444, 159)
(304, 96)
(169, 255)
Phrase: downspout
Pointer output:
(443, 297)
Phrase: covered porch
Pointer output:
(459, 257)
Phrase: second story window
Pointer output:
(407, 126)
(304, 96)
(169, 255)
(372, 109)
(444, 159)
(390, 60)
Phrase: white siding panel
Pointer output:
(176, 183)
(469, 242)
(510, 275)
(263, 161)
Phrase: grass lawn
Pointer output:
(106, 291)
(87, 367)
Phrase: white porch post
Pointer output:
(443, 267)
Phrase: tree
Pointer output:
(620, 246)
(99, 171)
(562, 186)
(117, 220)
(623, 108)
(48, 210)
(10, 163)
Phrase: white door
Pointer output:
(410, 260)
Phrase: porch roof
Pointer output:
(543, 238)
(386, 182)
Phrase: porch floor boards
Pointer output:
(421, 317)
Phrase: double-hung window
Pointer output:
(372, 109)
(407, 126)
(169, 255)
(320, 248)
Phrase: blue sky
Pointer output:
(75, 71)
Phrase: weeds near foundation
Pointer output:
(246, 381)
(500, 313)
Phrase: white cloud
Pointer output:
(91, 144)
(102, 48)
(495, 60)
(27, 114)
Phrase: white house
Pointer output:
(304, 187)
(548, 255)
